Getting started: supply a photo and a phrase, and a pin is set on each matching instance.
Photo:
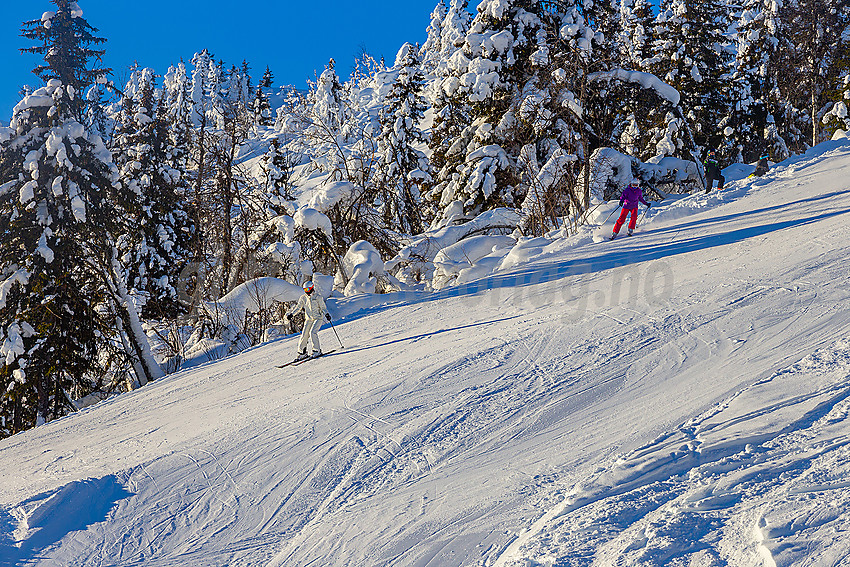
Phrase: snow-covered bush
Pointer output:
(363, 265)
(671, 175)
(611, 171)
(311, 219)
(253, 296)
(415, 262)
(245, 316)
(838, 117)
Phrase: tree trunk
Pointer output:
(43, 402)
(17, 415)
(814, 109)
(199, 184)
(147, 368)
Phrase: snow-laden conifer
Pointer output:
(484, 78)
(636, 33)
(403, 164)
(605, 18)
(817, 43)
(276, 168)
(690, 53)
(201, 63)
(756, 81)
(327, 116)
(516, 82)
(63, 304)
(431, 51)
(153, 168)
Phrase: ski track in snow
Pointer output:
(765, 461)
(677, 398)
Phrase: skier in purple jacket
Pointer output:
(632, 195)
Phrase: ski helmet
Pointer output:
(635, 182)
(308, 287)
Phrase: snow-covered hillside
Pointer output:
(677, 398)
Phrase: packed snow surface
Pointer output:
(680, 397)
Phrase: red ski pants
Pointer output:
(623, 214)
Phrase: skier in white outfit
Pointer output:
(314, 308)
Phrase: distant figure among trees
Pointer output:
(762, 166)
(712, 172)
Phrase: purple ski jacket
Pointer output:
(631, 197)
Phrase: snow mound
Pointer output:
(363, 264)
(252, 296)
(470, 259)
(415, 262)
(325, 197)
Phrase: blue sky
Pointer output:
(293, 37)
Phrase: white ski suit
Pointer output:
(314, 309)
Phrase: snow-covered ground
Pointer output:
(677, 398)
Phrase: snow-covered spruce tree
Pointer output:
(98, 118)
(636, 33)
(238, 93)
(690, 54)
(516, 79)
(838, 117)
(564, 138)
(604, 17)
(454, 29)
(216, 94)
(267, 80)
(174, 124)
(175, 117)
(230, 211)
(756, 80)
(206, 105)
(402, 164)
(485, 78)
(817, 37)
(451, 113)
(261, 107)
(63, 302)
(199, 155)
(201, 64)
(153, 168)
(430, 52)
(327, 117)
(277, 170)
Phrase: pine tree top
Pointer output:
(66, 43)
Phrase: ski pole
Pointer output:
(609, 216)
(590, 212)
(337, 335)
(641, 217)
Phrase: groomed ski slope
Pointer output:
(680, 397)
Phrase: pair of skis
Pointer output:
(299, 361)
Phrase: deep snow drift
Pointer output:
(676, 398)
